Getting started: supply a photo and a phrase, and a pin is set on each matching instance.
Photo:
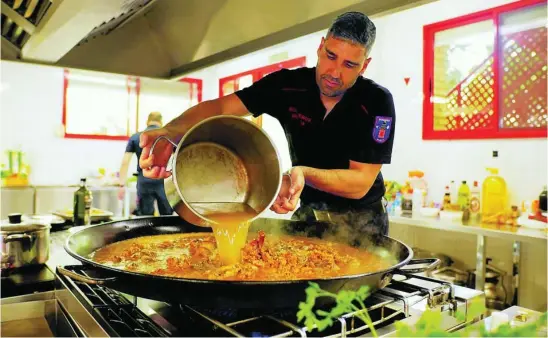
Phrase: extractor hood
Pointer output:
(167, 38)
(45, 30)
(19, 21)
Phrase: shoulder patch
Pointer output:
(381, 130)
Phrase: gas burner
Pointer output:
(404, 299)
(279, 322)
(237, 322)
(235, 314)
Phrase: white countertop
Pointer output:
(519, 233)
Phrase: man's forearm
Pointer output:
(341, 182)
(124, 167)
(181, 124)
(227, 105)
(123, 173)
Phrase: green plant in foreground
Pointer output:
(345, 303)
(428, 325)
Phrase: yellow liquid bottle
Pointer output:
(464, 196)
(494, 198)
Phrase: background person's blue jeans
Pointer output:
(147, 193)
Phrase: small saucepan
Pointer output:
(23, 243)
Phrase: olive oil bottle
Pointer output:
(82, 205)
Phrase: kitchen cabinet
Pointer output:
(16, 200)
(47, 199)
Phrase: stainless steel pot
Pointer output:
(224, 164)
(24, 244)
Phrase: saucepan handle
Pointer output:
(18, 237)
(432, 263)
(84, 279)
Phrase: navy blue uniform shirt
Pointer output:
(360, 127)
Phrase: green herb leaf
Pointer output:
(428, 325)
(322, 319)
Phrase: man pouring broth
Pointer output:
(339, 126)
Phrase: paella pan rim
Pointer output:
(127, 273)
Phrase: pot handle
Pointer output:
(158, 139)
(434, 262)
(84, 279)
(18, 237)
(288, 174)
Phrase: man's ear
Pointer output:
(320, 47)
(365, 64)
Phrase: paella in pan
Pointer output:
(262, 258)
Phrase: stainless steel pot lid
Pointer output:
(43, 219)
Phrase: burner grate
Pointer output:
(384, 307)
(130, 322)
(282, 323)
(122, 318)
(98, 296)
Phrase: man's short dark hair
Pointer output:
(356, 27)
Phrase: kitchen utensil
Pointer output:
(451, 275)
(15, 218)
(24, 244)
(496, 295)
(445, 260)
(225, 294)
(223, 165)
(97, 215)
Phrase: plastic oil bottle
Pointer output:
(494, 193)
(475, 204)
(464, 201)
(454, 192)
(464, 195)
(447, 199)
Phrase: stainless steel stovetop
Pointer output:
(100, 311)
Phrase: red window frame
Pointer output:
(257, 73)
(429, 31)
(66, 72)
(191, 81)
(66, 76)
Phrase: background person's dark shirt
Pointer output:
(133, 147)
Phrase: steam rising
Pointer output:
(358, 229)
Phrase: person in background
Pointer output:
(148, 190)
(339, 126)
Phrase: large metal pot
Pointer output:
(24, 244)
(224, 164)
